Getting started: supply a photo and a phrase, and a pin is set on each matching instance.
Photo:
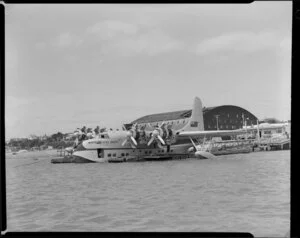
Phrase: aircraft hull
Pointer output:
(102, 155)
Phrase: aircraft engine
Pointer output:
(130, 137)
(157, 134)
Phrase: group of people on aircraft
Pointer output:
(167, 135)
(85, 133)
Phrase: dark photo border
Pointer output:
(294, 230)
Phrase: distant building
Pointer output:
(226, 117)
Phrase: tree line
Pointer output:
(56, 140)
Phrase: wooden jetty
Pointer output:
(279, 143)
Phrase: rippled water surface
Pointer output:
(246, 193)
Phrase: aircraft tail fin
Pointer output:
(196, 122)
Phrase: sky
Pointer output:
(107, 64)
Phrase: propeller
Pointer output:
(130, 136)
(157, 134)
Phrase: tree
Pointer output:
(57, 136)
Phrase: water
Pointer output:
(243, 193)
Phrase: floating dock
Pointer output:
(274, 144)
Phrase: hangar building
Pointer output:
(226, 117)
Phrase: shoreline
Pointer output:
(31, 154)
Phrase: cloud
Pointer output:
(109, 29)
(12, 102)
(16, 109)
(238, 41)
(151, 43)
(131, 39)
(12, 57)
(40, 45)
(286, 44)
(67, 40)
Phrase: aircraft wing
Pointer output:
(225, 132)
(211, 133)
(266, 127)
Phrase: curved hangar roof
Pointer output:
(168, 116)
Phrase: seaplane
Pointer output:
(160, 143)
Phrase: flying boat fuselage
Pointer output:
(111, 146)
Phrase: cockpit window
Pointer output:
(104, 136)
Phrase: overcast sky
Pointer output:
(74, 65)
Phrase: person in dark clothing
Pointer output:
(83, 129)
(83, 137)
(170, 132)
(287, 135)
(97, 130)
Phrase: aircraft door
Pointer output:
(100, 153)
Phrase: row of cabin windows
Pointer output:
(127, 154)
(114, 155)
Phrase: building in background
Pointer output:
(226, 117)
